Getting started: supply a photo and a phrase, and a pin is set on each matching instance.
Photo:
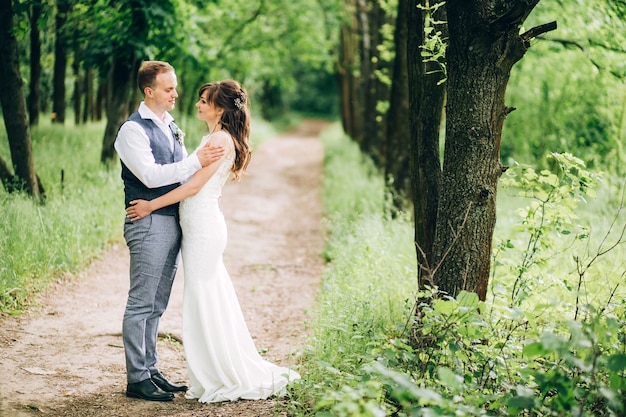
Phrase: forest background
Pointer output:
(537, 327)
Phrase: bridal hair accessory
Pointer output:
(240, 100)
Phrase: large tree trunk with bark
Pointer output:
(14, 107)
(426, 106)
(484, 45)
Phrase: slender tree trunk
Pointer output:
(484, 46)
(101, 98)
(371, 20)
(349, 79)
(78, 92)
(365, 70)
(88, 112)
(34, 96)
(60, 62)
(426, 106)
(428, 154)
(14, 105)
(345, 79)
(397, 172)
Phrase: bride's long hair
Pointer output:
(233, 98)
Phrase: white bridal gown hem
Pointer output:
(276, 388)
(222, 360)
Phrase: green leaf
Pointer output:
(534, 350)
(521, 403)
(450, 380)
(617, 362)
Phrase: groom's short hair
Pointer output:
(148, 72)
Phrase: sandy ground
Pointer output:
(64, 357)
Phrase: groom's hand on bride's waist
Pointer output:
(209, 154)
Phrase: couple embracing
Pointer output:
(172, 205)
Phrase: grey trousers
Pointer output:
(154, 244)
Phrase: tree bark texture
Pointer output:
(426, 106)
(14, 104)
(484, 45)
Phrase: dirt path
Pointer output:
(66, 358)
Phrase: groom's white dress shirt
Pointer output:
(133, 146)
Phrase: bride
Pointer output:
(222, 360)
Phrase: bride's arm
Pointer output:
(141, 208)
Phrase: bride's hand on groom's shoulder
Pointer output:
(138, 209)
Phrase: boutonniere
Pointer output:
(180, 136)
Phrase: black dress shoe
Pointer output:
(146, 390)
(162, 382)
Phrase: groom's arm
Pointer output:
(133, 147)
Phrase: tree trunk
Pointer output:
(396, 157)
(101, 98)
(122, 76)
(121, 81)
(14, 104)
(371, 19)
(88, 112)
(34, 96)
(345, 60)
(78, 93)
(6, 177)
(60, 63)
(483, 47)
(349, 81)
(426, 106)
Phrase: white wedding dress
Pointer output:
(222, 360)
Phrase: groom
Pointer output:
(154, 161)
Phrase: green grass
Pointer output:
(360, 359)
(369, 283)
(83, 212)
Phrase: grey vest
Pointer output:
(160, 145)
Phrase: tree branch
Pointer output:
(538, 30)
(571, 43)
